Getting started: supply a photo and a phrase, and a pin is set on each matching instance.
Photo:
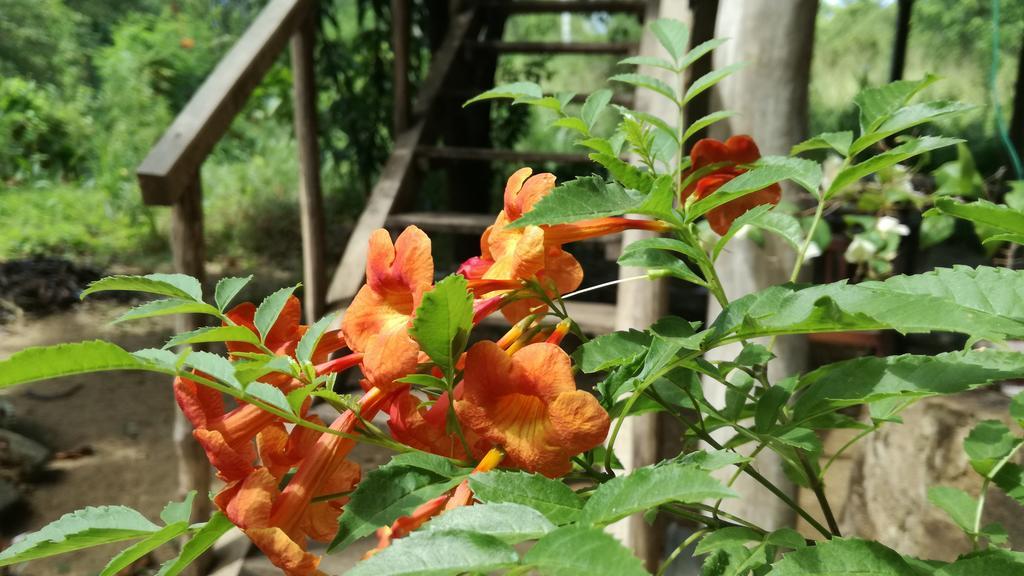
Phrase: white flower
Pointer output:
(860, 250)
(813, 251)
(888, 224)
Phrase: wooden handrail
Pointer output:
(173, 162)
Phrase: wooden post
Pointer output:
(639, 304)
(899, 47)
(777, 119)
(189, 253)
(311, 203)
(400, 27)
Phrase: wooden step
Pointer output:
(594, 48)
(441, 222)
(579, 6)
(443, 154)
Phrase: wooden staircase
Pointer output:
(474, 34)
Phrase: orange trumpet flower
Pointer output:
(528, 405)
(397, 275)
(735, 151)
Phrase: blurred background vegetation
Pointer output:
(87, 86)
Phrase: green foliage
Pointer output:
(842, 557)
(34, 364)
(94, 526)
(438, 553)
(554, 500)
(593, 552)
(391, 491)
(510, 523)
(649, 487)
(201, 541)
(443, 321)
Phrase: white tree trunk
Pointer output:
(775, 38)
(639, 304)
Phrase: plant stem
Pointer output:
(984, 491)
(679, 549)
(750, 471)
(818, 487)
(818, 212)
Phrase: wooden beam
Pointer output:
(899, 47)
(614, 48)
(400, 32)
(188, 250)
(175, 159)
(398, 170)
(394, 178)
(311, 202)
(543, 7)
(460, 154)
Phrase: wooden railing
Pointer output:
(170, 173)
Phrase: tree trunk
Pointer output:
(775, 38)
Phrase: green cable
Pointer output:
(993, 76)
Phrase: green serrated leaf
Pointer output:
(984, 212)
(842, 557)
(271, 395)
(41, 363)
(877, 104)
(726, 537)
(227, 289)
(443, 321)
(611, 350)
(311, 339)
(166, 307)
(960, 505)
(389, 492)
(136, 551)
(573, 123)
(575, 550)
(580, 199)
(593, 106)
(439, 553)
(510, 523)
(705, 121)
(271, 307)
(92, 526)
(214, 334)
(869, 379)
(710, 79)
(515, 91)
(178, 286)
(989, 442)
(700, 50)
(991, 562)
(763, 217)
(175, 512)
(215, 366)
(888, 158)
(658, 263)
(838, 141)
(649, 487)
(553, 499)
(202, 541)
(673, 35)
(654, 61)
(765, 172)
(648, 82)
(908, 117)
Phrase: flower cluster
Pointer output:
(511, 402)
